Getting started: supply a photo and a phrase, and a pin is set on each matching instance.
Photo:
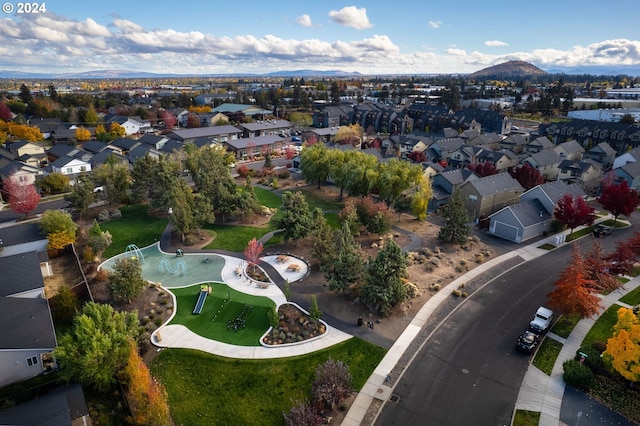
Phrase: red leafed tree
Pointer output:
(5, 112)
(289, 152)
(618, 199)
(574, 212)
(527, 176)
(22, 198)
(252, 252)
(621, 261)
(169, 119)
(417, 156)
(574, 292)
(193, 120)
(598, 269)
(483, 169)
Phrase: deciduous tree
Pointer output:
(395, 177)
(618, 199)
(527, 176)
(574, 212)
(598, 269)
(125, 280)
(332, 384)
(97, 347)
(22, 198)
(252, 252)
(420, 198)
(574, 291)
(302, 414)
(623, 349)
(53, 183)
(483, 169)
(82, 134)
(314, 165)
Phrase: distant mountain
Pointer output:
(124, 74)
(510, 69)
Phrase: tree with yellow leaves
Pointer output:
(623, 349)
(82, 134)
(20, 131)
(349, 135)
(147, 398)
(116, 130)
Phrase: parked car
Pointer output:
(296, 139)
(602, 230)
(541, 322)
(527, 342)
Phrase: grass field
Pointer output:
(208, 389)
(632, 298)
(565, 325)
(603, 327)
(134, 227)
(547, 354)
(218, 310)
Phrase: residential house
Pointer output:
(631, 156)
(444, 148)
(502, 159)
(107, 155)
(123, 145)
(603, 154)
(155, 141)
(20, 172)
(489, 194)
(69, 166)
(538, 145)
(533, 215)
(63, 135)
(27, 337)
(235, 111)
(265, 128)
(570, 150)
(620, 136)
(630, 173)
(489, 141)
(143, 150)
(431, 169)
(28, 152)
(546, 162)
(131, 125)
(46, 125)
(514, 142)
(445, 183)
(587, 174)
(466, 156)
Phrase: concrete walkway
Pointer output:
(538, 392)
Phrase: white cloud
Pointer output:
(304, 20)
(351, 16)
(435, 24)
(495, 43)
(456, 52)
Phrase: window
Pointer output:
(68, 170)
(31, 361)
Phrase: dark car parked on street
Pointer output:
(527, 342)
(602, 230)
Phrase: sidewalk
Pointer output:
(533, 385)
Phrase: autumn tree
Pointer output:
(5, 112)
(125, 280)
(618, 199)
(303, 414)
(91, 116)
(252, 252)
(59, 228)
(349, 135)
(332, 384)
(623, 348)
(147, 399)
(574, 291)
(97, 346)
(574, 212)
(169, 119)
(420, 198)
(82, 134)
(598, 269)
(456, 228)
(622, 259)
(483, 169)
(417, 156)
(116, 130)
(295, 220)
(527, 176)
(22, 198)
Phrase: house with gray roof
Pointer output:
(603, 154)
(94, 146)
(443, 185)
(533, 215)
(587, 174)
(444, 148)
(546, 162)
(630, 173)
(502, 159)
(246, 148)
(570, 150)
(515, 142)
(538, 145)
(489, 194)
(265, 128)
(216, 134)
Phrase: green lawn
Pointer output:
(632, 298)
(315, 200)
(211, 390)
(212, 321)
(267, 198)
(134, 227)
(547, 354)
(526, 418)
(603, 327)
(235, 238)
(565, 325)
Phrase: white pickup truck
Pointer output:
(542, 320)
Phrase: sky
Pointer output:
(370, 37)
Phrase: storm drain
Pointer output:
(394, 398)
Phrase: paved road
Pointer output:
(9, 215)
(468, 371)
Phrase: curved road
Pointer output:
(468, 372)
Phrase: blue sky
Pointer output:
(371, 37)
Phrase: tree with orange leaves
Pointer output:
(599, 271)
(146, 397)
(623, 349)
(574, 292)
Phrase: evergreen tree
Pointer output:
(456, 228)
(295, 221)
(384, 286)
(322, 236)
(345, 269)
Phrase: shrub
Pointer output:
(434, 287)
(479, 258)
(243, 170)
(302, 413)
(332, 383)
(284, 175)
(87, 254)
(577, 374)
(599, 346)
(456, 293)
(100, 242)
(189, 240)
(593, 359)
(426, 252)
(102, 275)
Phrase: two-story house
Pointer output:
(489, 194)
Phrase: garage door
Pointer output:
(508, 232)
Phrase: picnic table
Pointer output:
(293, 267)
(282, 258)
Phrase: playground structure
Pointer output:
(134, 253)
(180, 266)
(202, 297)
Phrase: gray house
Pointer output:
(444, 183)
(489, 194)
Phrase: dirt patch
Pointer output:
(66, 272)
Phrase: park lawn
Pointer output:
(632, 298)
(314, 200)
(267, 198)
(135, 226)
(603, 327)
(217, 310)
(526, 418)
(547, 354)
(212, 390)
(565, 325)
(233, 237)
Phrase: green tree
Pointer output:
(294, 222)
(314, 311)
(114, 177)
(64, 305)
(54, 221)
(82, 194)
(384, 283)
(420, 199)
(456, 228)
(362, 174)
(97, 347)
(125, 280)
(182, 202)
(345, 269)
(91, 116)
(314, 165)
(154, 179)
(322, 236)
(53, 183)
(395, 177)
